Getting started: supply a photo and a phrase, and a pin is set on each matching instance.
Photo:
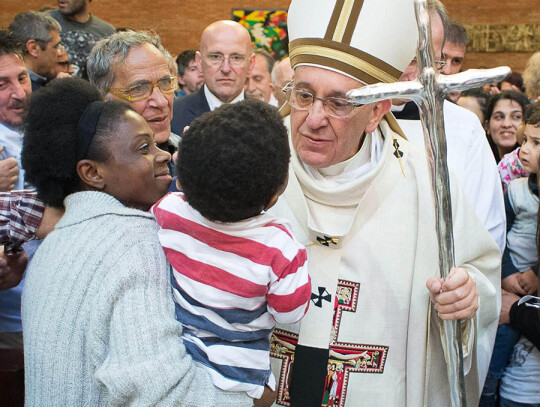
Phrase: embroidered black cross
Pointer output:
(318, 298)
(325, 241)
(397, 153)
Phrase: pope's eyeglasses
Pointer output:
(334, 106)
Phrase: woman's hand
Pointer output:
(267, 399)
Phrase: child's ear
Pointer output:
(272, 202)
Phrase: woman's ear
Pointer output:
(90, 174)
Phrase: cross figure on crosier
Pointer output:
(428, 92)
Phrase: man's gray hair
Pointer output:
(171, 63)
(33, 25)
(114, 49)
(456, 33)
(270, 61)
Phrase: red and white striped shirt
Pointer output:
(232, 282)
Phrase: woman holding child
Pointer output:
(98, 315)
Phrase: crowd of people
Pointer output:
(172, 238)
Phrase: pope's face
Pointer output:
(320, 139)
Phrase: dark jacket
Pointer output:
(187, 109)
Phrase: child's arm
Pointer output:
(509, 273)
(290, 292)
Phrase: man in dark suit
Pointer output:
(226, 60)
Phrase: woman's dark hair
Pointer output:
(50, 136)
(232, 161)
(506, 94)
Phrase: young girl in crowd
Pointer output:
(98, 318)
(519, 260)
(510, 167)
(235, 268)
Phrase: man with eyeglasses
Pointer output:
(132, 66)
(469, 154)
(40, 35)
(359, 198)
(226, 59)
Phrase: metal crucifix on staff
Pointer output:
(428, 92)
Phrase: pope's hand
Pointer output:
(456, 297)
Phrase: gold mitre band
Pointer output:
(342, 57)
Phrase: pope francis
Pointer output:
(359, 196)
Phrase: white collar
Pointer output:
(214, 102)
(355, 167)
(273, 101)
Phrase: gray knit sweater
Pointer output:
(98, 316)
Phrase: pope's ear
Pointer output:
(90, 174)
(379, 110)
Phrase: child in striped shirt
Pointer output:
(236, 269)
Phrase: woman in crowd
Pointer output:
(503, 118)
(98, 316)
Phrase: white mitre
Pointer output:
(370, 41)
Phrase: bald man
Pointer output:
(282, 74)
(226, 59)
